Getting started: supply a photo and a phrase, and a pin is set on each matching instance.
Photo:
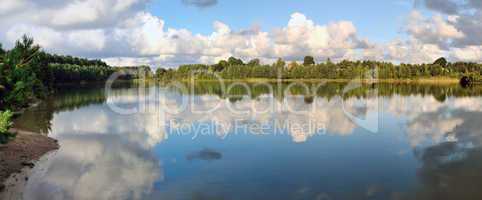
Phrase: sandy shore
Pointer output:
(22, 152)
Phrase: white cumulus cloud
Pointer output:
(123, 32)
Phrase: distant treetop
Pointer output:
(441, 61)
(309, 60)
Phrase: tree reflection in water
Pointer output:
(99, 148)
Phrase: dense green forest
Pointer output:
(134, 72)
(28, 73)
(235, 68)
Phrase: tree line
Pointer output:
(134, 72)
(235, 68)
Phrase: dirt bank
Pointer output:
(23, 151)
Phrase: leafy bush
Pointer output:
(5, 121)
(5, 125)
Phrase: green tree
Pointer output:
(222, 64)
(235, 61)
(161, 72)
(280, 63)
(441, 61)
(308, 60)
(254, 62)
(1, 50)
(18, 73)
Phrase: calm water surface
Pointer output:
(402, 142)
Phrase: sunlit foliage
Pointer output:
(233, 69)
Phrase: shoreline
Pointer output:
(443, 81)
(22, 152)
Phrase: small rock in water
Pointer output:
(28, 164)
(205, 154)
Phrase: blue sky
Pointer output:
(378, 20)
(168, 33)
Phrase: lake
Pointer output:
(259, 141)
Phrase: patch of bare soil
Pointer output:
(23, 151)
